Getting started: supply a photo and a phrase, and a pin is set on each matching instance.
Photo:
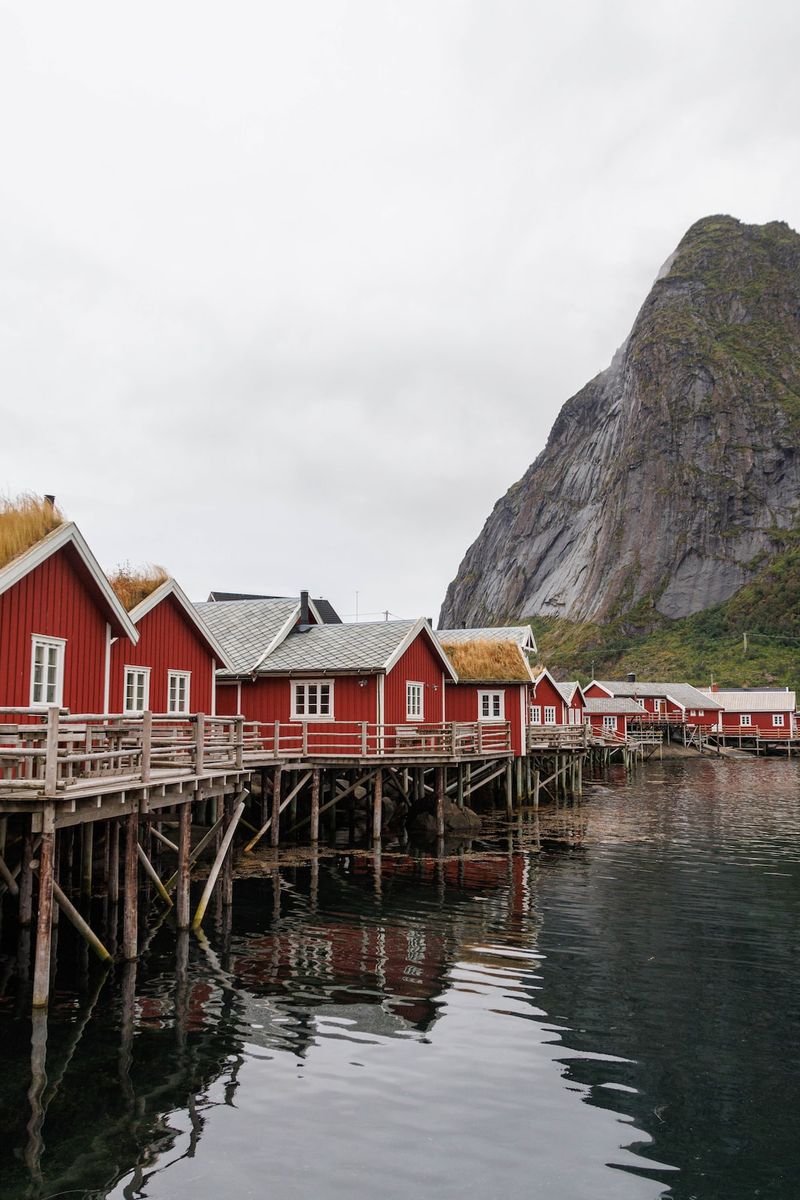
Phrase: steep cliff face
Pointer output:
(667, 478)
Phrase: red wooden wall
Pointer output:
(462, 705)
(168, 641)
(419, 664)
(56, 599)
(545, 694)
(758, 720)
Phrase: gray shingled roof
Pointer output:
(521, 634)
(247, 628)
(623, 705)
(348, 647)
(327, 613)
(567, 690)
(760, 700)
(682, 693)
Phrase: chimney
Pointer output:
(630, 677)
(304, 608)
(715, 687)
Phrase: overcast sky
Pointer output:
(291, 293)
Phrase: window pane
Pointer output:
(325, 699)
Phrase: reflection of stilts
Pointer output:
(35, 1144)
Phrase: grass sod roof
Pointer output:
(485, 661)
(132, 585)
(24, 521)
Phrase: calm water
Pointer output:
(601, 1004)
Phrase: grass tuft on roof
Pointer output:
(24, 521)
(134, 584)
(484, 660)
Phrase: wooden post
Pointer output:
(315, 790)
(227, 867)
(152, 875)
(509, 788)
(460, 785)
(441, 784)
(44, 916)
(87, 848)
(113, 861)
(238, 727)
(147, 744)
(536, 788)
(182, 912)
(218, 861)
(199, 744)
(26, 882)
(275, 831)
(377, 805)
(130, 916)
(82, 926)
(51, 754)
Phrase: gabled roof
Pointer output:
(545, 674)
(368, 648)
(621, 705)
(322, 609)
(521, 634)
(488, 660)
(170, 587)
(248, 629)
(755, 701)
(568, 691)
(682, 694)
(65, 535)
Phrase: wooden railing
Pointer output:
(557, 737)
(53, 751)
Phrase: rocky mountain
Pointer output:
(672, 478)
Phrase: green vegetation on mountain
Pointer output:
(751, 640)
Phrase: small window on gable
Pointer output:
(47, 671)
(415, 701)
(178, 691)
(491, 706)
(312, 700)
(137, 690)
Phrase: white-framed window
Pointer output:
(549, 714)
(536, 714)
(47, 671)
(609, 722)
(658, 705)
(777, 719)
(137, 690)
(178, 691)
(745, 719)
(312, 699)
(415, 701)
(491, 706)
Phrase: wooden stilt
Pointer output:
(152, 875)
(275, 832)
(509, 789)
(87, 851)
(536, 788)
(315, 790)
(227, 866)
(113, 861)
(460, 785)
(84, 929)
(218, 861)
(377, 805)
(26, 882)
(130, 916)
(44, 916)
(182, 913)
(441, 784)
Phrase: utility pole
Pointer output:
(744, 641)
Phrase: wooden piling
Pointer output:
(26, 881)
(377, 805)
(44, 916)
(315, 792)
(182, 910)
(509, 789)
(275, 831)
(113, 861)
(130, 916)
(87, 854)
(227, 866)
(441, 787)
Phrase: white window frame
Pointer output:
(49, 643)
(550, 720)
(777, 720)
(536, 714)
(610, 722)
(493, 700)
(745, 719)
(132, 670)
(415, 700)
(184, 709)
(306, 684)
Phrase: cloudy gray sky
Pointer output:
(291, 293)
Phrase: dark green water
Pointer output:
(603, 1005)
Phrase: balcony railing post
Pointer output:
(199, 743)
(480, 737)
(51, 753)
(277, 739)
(305, 738)
(147, 744)
(238, 733)
(364, 739)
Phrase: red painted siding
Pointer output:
(758, 720)
(227, 699)
(462, 705)
(167, 642)
(56, 599)
(621, 726)
(546, 695)
(419, 664)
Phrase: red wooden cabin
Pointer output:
(608, 716)
(664, 703)
(575, 701)
(172, 668)
(547, 703)
(769, 712)
(493, 678)
(58, 616)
